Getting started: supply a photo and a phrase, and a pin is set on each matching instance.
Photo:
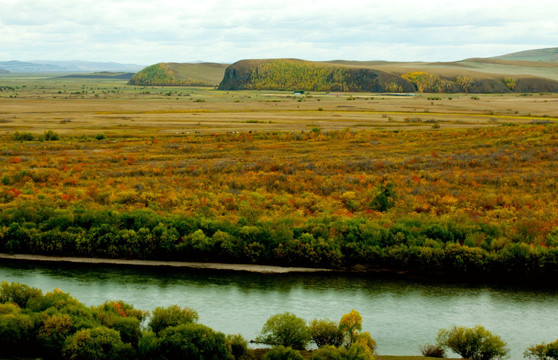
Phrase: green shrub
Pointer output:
(325, 332)
(385, 198)
(174, 315)
(100, 137)
(50, 136)
(237, 345)
(359, 351)
(17, 333)
(473, 343)
(192, 342)
(53, 333)
(99, 343)
(283, 353)
(18, 294)
(542, 351)
(285, 329)
(329, 352)
(23, 136)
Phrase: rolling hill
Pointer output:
(548, 55)
(101, 75)
(42, 66)
(185, 74)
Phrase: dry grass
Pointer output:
(72, 106)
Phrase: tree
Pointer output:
(473, 343)
(174, 315)
(286, 330)
(350, 325)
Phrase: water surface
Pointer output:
(400, 314)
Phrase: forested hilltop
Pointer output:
(300, 75)
(176, 74)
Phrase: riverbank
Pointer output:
(252, 268)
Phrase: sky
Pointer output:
(151, 31)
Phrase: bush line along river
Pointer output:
(400, 314)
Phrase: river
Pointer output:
(400, 314)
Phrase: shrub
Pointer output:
(50, 136)
(237, 345)
(282, 353)
(286, 330)
(329, 352)
(96, 344)
(100, 136)
(174, 315)
(542, 351)
(16, 334)
(23, 136)
(192, 341)
(325, 332)
(473, 343)
(18, 294)
(53, 333)
(385, 198)
(358, 351)
(433, 350)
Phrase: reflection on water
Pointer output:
(400, 314)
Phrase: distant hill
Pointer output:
(100, 75)
(66, 66)
(4, 71)
(185, 74)
(294, 74)
(471, 75)
(548, 55)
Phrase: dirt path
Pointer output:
(263, 269)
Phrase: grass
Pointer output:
(39, 104)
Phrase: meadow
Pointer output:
(460, 184)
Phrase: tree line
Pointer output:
(427, 247)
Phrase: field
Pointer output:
(454, 183)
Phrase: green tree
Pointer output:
(473, 343)
(285, 329)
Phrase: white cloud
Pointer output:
(146, 32)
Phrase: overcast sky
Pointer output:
(150, 31)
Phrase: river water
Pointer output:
(400, 314)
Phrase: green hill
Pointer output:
(471, 75)
(548, 55)
(183, 74)
(294, 74)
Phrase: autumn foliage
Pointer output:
(465, 202)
